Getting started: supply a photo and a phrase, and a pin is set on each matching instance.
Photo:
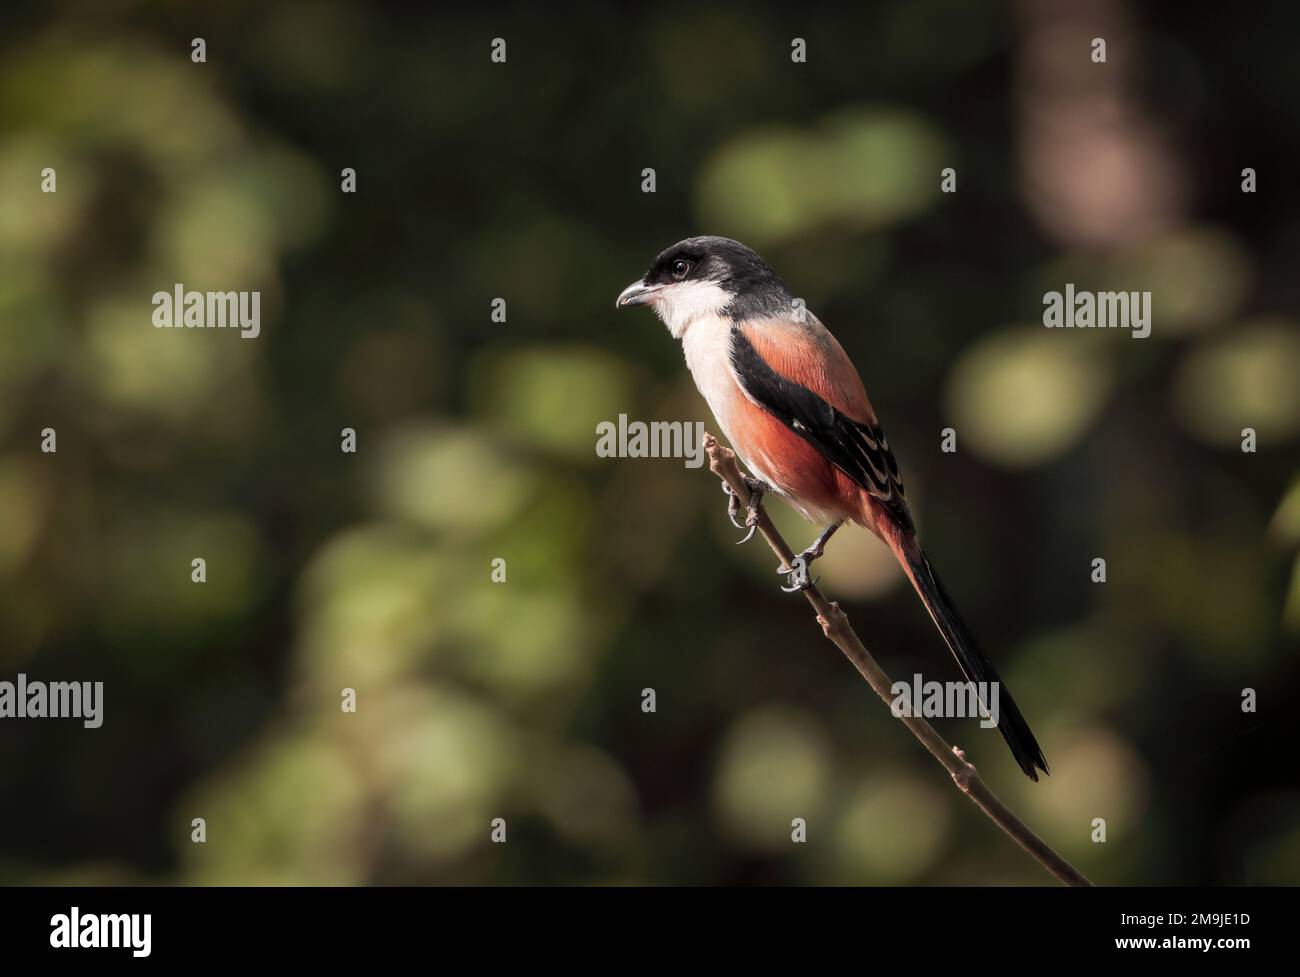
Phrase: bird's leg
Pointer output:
(796, 573)
(757, 489)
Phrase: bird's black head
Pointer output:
(716, 259)
(703, 275)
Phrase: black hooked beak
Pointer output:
(638, 293)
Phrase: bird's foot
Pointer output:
(757, 489)
(796, 573)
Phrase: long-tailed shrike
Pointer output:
(790, 402)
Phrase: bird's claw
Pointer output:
(733, 506)
(756, 490)
(796, 574)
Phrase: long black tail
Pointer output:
(976, 668)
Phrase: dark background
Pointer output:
(476, 439)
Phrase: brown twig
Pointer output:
(835, 624)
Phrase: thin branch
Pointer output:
(834, 622)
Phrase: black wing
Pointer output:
(858, 450)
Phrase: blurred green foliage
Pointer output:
(522, 699)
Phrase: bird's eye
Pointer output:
(680, 267)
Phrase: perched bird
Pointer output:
(790, 402)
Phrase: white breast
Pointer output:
(707, 344)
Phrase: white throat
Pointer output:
(681, 304)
